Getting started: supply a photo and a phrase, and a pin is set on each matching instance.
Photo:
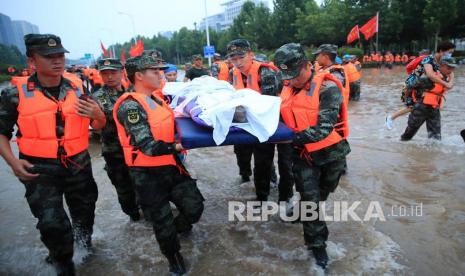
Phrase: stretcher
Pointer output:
(193, 135)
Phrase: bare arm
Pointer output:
(433, 77)
(18, 166)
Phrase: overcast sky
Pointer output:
(81, 24)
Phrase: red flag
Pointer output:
(137, 49)
(123, 57)
(353, 35)
(370, 28)
(105, 51)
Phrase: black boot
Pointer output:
(321, 257)
(134, 216)
(177, 266)
(64, 268)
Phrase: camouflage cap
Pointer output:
(289, 58)
(153, 53)
(140, 63)
(43, 44)
(449, 61)
(238, 47)
(109, 64)
(326, 48)
(261, 57)
(196, 57)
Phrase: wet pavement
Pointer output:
(399, 175)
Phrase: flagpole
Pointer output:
(377, 30)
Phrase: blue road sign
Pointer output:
(208, 51)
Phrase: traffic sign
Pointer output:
(208, 51)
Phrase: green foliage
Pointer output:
(404, 25)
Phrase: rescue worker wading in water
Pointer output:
(313, 106)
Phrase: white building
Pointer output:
(232, 9)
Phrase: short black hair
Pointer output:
(132, 74)
(444, 46)
(332, 57)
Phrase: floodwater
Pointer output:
(418, 184)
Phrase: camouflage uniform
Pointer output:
(263, 153)
(319, 174)
(44, 194)
(111, 148)
(156, 186)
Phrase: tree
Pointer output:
(284, 20)
(439, 15)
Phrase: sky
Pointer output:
(82, 24)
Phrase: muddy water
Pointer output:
(399, 176)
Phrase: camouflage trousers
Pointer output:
(155, 188)
(418, 116)
(314, 184)
(44, 195)
(263, 162)
(355, 91)
(118, 173)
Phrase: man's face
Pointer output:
(112, 78)
(171, 76)
(50, 65)
(303, 77)
(243, 63)
(446, 70)
(151, 78)
(323, 59)
(198, 62)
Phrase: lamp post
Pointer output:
(133, 25)
(208, 34)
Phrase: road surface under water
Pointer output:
(398, 175)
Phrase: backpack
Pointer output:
(412, 65)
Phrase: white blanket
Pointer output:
(218, 101)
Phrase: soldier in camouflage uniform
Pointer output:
(316, 173)
(241, 56)
(48, 168)
(111, 71)
(326, 57)
(157, 184)
(425, 112)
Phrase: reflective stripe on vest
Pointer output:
(252, 77)
(37, 123)
(300, 111)
(346, 88)
(160, 118)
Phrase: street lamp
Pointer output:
(133, 25)
(208, 34)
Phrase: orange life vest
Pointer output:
(300, 111)
(252, 77)
(37, 122)
(398, 59)
(346, 88)
(435, 96)
(366, 59)
(73, 78)
(161, 122)
(404, 59)
(353, 74)
(223, 74)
